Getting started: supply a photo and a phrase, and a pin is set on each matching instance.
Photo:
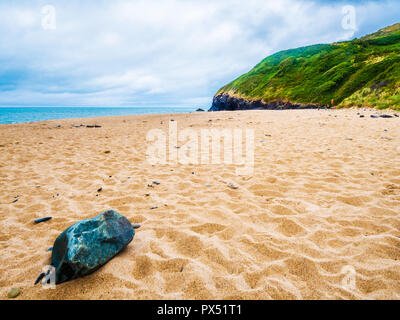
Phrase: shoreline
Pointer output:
(81, 119)
(36, 114)
(94, 118)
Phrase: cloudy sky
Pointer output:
(158, 52)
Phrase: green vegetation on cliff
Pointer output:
(364, 72)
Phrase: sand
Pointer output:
(322, 206)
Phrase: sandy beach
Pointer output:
(323, 203)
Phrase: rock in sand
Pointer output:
(88, 244)
(13, 293)
(42, 220)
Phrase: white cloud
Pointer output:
(175, 52)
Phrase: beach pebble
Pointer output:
(233, 186)
(42, 220)
(13, 293)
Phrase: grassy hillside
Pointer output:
(362, 72)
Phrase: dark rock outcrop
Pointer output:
(88, 244)
(224, 102)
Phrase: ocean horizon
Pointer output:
(9, 115)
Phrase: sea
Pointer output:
(32, 114)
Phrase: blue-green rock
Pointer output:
(88, 244)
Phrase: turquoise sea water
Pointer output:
(31, 114)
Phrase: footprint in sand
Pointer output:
(290, 228)
(356, 201)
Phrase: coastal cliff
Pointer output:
(363, 72)
(225, 102)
